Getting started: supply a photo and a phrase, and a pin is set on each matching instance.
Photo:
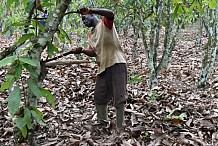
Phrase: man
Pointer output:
(112, 73)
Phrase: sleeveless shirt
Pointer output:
(105, 43)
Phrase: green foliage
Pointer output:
(51, 49)
(24, 121)
(9, 3)
(29, 6)
(135, 79)
(34, 88)
(5, 85)
(14, 101)
(24, 115)
(49, 97)
(181, 116)
(8, 83)
(145, 135)
(152, 95)
(7, 60)
(212, 4)
(25, 37)
(176, 119)
(28, 61)
(31, 70)
(63, 36)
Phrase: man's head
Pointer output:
(89, 20)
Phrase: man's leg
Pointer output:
(120, 117)
(119, 81)
(101, 96)
(101, 111)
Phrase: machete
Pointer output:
(71, 12)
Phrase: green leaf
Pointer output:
(34, 88)
(24, 123)
(7, 60)
(14, 101)
(38, 112)
(20, 23)
(9, 77)
(63, 32)
(37, 118)
(185, 10)
(47, 4)
(25, 37)
(200, 8)
(56, 41)
(13, 66)
(193, 5)
(28, 61)
(30, 6)
(10, 2)
(18, 71)
(27, 118)
(6, 30)
(5, 85)
(31, 70)
(212, 4)
(8, 83)
(24, 132)
(51, 49)
(19, 122)
(84, 1)
(135, 79)
(24, 47)
(49, 97)
(61, 37)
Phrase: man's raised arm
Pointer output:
(100, 11)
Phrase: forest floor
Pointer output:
(173, 113)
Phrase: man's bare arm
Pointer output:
(103, 12)
(100, 11)
(89, 52)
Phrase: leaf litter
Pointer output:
(174, 112)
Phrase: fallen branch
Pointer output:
(66, 62)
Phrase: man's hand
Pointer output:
(83, 10)
(77, 50)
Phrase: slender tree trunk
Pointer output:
(154, 44)
(40, 44)
(210, 50)
(161, 10)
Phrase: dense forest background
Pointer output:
(46, 93)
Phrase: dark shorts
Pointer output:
(111, 84)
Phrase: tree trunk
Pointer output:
(210, 50)
(161, 13)
(40, 44)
